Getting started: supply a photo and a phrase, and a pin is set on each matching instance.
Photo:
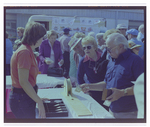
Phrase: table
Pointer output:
(97, 110)
(43, 81)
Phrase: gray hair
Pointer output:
(117, 39)
(91, 34)
(99, 35)
(140, 27)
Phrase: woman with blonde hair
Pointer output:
(20, 31)
(50, 53)
(17, 44)
(92, 65)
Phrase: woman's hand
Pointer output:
(45, 99)
(85, 87)
(116, 94)
(48, 61)
(41, 109)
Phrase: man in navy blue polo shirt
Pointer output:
(123, 68)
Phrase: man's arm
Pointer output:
(118, 93)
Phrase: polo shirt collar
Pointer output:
(124, 55)
(87, 58)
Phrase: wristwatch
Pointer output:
(125, 92)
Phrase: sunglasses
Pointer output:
(88, 47)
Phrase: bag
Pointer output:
(55, 72)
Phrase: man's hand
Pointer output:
(116, 94)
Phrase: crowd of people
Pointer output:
(112, 60)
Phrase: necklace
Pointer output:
(96, 65)
(93, 66)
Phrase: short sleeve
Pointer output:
(24, 60)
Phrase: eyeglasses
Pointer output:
(110, 49)
(88, 47)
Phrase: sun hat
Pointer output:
(121, 26)
(73, 42)
(132, 45)
(132, 31)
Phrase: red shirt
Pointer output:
(23, 58)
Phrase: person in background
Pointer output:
(91, 34)
(9, 52)
(105, 54)
(141, 32)
(139, 95)
(123, 68)
(50, 53)
(93, 66)
(134, 47)
(76, 53)
(24, 70)
(20, 31)
(108, 32)
(143, 40)
(100, 39)
(101, 44)
(132, 36)
(64, 40)
(122, 28)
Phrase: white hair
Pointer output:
(117, 39)
(140, 27)
(99, 35)
(91, 34)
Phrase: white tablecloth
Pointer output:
(42, 80)
(97, 110)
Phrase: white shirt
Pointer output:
(52, 57)
(140, 36)
(139, 95)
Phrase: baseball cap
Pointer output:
(132, 31)
(66, 30)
